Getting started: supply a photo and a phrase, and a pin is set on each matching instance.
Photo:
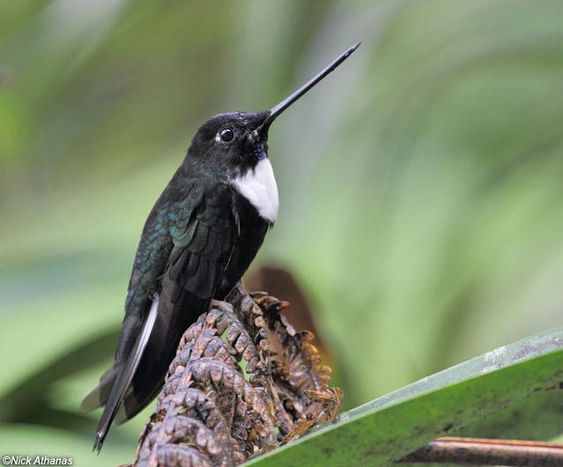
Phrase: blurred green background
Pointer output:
(420, 186)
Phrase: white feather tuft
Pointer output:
(259, 187)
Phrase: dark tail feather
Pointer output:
(122, 378)
(177, 310)
(98, 396)
(138, 374)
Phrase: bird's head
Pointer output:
(228, 145)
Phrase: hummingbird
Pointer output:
(198, 241)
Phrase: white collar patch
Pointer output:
(259, 187)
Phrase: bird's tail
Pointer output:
(116, 383)
(133, 382)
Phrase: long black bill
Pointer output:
(278, 109)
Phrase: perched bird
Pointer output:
(198, 241)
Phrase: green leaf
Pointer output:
(388, 428)
(538, 417)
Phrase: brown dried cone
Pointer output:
(243, 382)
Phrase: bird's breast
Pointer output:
(258, 186)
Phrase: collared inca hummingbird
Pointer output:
(198, 241)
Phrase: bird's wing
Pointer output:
(204, 233)
(203, 245)
(203, 238)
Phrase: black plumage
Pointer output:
(199, 239)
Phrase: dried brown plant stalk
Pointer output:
(242, 383)
(483, 451)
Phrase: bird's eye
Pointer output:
(226, 135)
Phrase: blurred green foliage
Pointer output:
(420, 186)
